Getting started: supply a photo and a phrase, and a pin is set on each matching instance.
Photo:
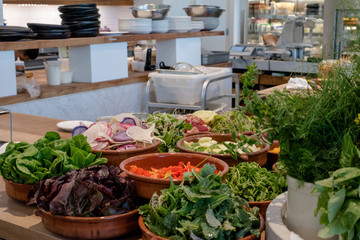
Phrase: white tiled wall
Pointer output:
(21, 14)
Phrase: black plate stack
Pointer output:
(50, 31)
(14, 33)
(83, 19)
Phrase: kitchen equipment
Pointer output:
(53, 72)
(179, 24)
(148, 66)
(160, 26)
(14, 33)
(210, 23)
(152, 11)
(203, 11)
(82, 24)
(135, 25)
(214, 57)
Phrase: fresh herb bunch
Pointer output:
(232, 121)
(254, 183)
(169, 129)
(205, 209)
(311, 125)
(47, 157)
(339, 204)
(241, 142)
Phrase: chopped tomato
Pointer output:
(176, 171)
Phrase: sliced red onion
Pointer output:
(121, 137)
(78, 130)
(129, 120)
(126, 147)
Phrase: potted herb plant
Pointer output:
(311, 127)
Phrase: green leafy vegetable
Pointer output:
(253, 183)
(168, 128)
(232, 121)
(47, 157)
(339, 204)
(205, 209)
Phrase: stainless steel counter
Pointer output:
(276, 65)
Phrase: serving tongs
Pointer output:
(181, 68)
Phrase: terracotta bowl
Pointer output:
(260, 157)
(272, 157)
(116, 157)
(262, 205)
(17, 191)
(90, 227)
(147, 186)
(148, 235)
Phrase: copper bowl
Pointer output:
(147, 186)
(148, 235)
(116, 157)
(17, 191)
(262, 205)
(260, 157)
(90, 227)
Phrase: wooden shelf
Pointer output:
(33, 44)
(64, 89)
(66, 2)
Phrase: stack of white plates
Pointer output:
(160, 26)
(135, 25)
(210, 23)
(196, 26)
(180, 24)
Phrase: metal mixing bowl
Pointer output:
(203, 11)
(152, 11)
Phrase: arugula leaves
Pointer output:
(253, 183)
(204, 209)
(47, 157)
(339, 204)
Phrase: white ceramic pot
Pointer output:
(300, 209)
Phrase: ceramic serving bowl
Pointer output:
(147, 186)
(116, 157)
(90, 227)
(260, 156)
(148, 235)
(17, 191)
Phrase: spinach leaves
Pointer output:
(205, 209)
(339, 204)
(47, 157)
(253, 183)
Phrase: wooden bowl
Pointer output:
(116, 157)
(260, 157)
(90, 227)
(262, 205)
(147, 186)
(148, 235)
(17, 191)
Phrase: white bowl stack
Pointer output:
(135, 25)
(160, 26)
(180, 24)
(197, 26)
(210, 23)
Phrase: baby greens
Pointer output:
(253, 183)
(169, 129)
(47, 157)
(232, 121)
(205, 209)
(339, 204)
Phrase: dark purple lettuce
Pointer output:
(91, 192)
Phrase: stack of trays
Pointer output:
(14, 33)
(180, 24)
(135, 25)
(83, 19)
(50, 31)
(160, 26)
